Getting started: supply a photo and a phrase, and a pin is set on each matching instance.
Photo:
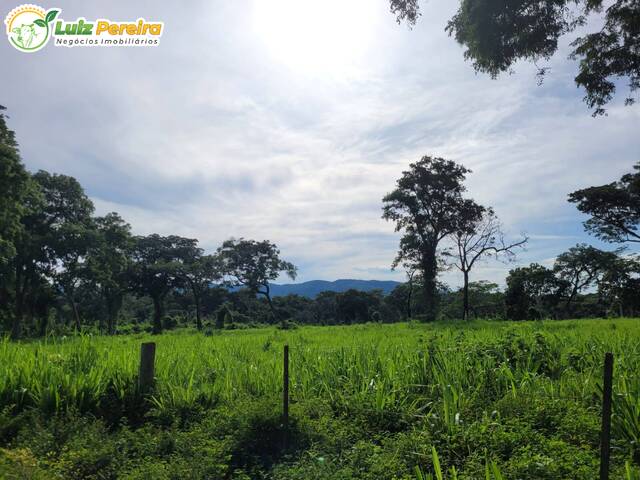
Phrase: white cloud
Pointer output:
(211, 135)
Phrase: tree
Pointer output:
(325, 307)
(411, 269)
(614, 208)
(200, 271)
(30, 261)
(108, 262)
(14, 186)
(399, 299)
(66, 229)
(498, 33)
(158, 264)
(405, 10)
(56, 232)
(581, 267)
(355, 306)
(411, 274)
(486, 299)
(532, 292)
(212, 298)
(427, 206)
(619, 286)
(223, 316)
(477, 239)
(295, 307)
(253, 265)
(71, 270)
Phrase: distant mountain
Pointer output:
(314, 287)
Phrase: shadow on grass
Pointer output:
(263, 440)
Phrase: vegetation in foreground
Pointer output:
(516, 400)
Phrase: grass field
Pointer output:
(492, 399)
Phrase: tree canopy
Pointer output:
(253, 264)
(427, 206)
(200, 272)
(614, 208)
(109, 261)
(532, 292)
(498, 33)
(581, 267)
(158, 267)
(14, 185)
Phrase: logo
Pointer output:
(29, 28)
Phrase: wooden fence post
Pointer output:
(605, 434)
(147, 366)
(285, 389)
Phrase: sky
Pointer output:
(290, 120)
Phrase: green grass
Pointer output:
(478, 400)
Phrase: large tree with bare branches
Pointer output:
(475, 240)
(427, 206)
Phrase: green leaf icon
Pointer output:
(39, 22)
(51, 15)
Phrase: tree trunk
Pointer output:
(465, 296)
(268, 297)
(196, 299)
(16, 324)
(74, 308)
(273, 310)
(113, 299)
(76, 314)
(158, 313)
(567, 307)
(429, 287)
(44, 323)
(111, 319)
(410, 294)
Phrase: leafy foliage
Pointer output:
(157, 268)
(427, 206)
(498, 33)
(14, 185)
(532, 292)
(614, 208)
(253, 265)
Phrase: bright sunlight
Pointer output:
(327, 37)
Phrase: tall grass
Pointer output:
(448, 374)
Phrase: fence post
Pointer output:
(285, 389)
(285, 395)
(147, 366)
(605, 434)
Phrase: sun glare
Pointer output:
(316, 36)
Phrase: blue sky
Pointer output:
(291, 120)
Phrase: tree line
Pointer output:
(64, 268)
(442, 228)
(53, 248)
